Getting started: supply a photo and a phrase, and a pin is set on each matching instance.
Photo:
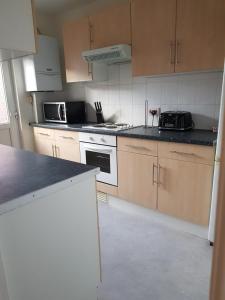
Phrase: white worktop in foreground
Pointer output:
(49, 238)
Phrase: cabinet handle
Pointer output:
(53, 150)
(184, 153)
(153, 174)
(159, 173)
(172, 52)
(91, 33)
(45, 134)
(178, 46)
(66, 137)
(57, 151)
(90, 71)
(139, 148)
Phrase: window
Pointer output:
(4, 114)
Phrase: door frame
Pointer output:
(13, 125)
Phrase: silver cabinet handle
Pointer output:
(90, 72)
(139, 148)
(178, 46)
(53, 150)
(91, 138)
(91, 33)
(57, 151)
(184, 153)
(172, 52)
(159, 173)
(45, 134)
(66, 137)
(153, 174)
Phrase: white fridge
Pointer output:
(215, 188)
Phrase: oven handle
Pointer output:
(98, 150)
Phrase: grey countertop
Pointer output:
(195, 136)
(23, 172)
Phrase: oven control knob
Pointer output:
(103, 140)
(91, 138)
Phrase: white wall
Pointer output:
(123, 97)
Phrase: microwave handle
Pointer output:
(59, 112)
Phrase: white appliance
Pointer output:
(108, 55)
(100, 151)
(215, 189)
(42, 70)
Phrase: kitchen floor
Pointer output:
(146, 260)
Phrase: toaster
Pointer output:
(175, 120)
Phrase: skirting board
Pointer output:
(107, 189)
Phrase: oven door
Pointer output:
(103, 157)
(54, 112)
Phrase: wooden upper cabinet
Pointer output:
(200, 35)
(111, 26)
(153, 36)
(76, 38)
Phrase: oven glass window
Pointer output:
(100, 160)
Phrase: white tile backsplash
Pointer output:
(123, 97)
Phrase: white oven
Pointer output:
(100, 151)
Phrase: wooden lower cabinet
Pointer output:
(136, 182)
(68, 150)
(184, 190)
(57, 143)
(44, 146)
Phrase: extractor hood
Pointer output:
(108, 55)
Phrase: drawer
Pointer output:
(138, 146)
(63, 136)
(185, 152)
(44, 133)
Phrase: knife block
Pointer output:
(100, 118)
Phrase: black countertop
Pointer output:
(23, 172)
(195, 136)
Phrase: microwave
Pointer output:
(65, 112)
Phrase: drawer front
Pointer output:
(66, 136)
(44, 133)
(185, 152)
(137, 146)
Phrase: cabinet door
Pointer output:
(184, 190)
(67, 145)
(137, 181)
(200, 35)
(76, 38)
(44, 141)
(111, 26)
(153, 36)
(44, 146)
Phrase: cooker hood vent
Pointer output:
(108, 55)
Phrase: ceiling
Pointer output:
(57, 6)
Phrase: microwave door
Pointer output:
(51, 112)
